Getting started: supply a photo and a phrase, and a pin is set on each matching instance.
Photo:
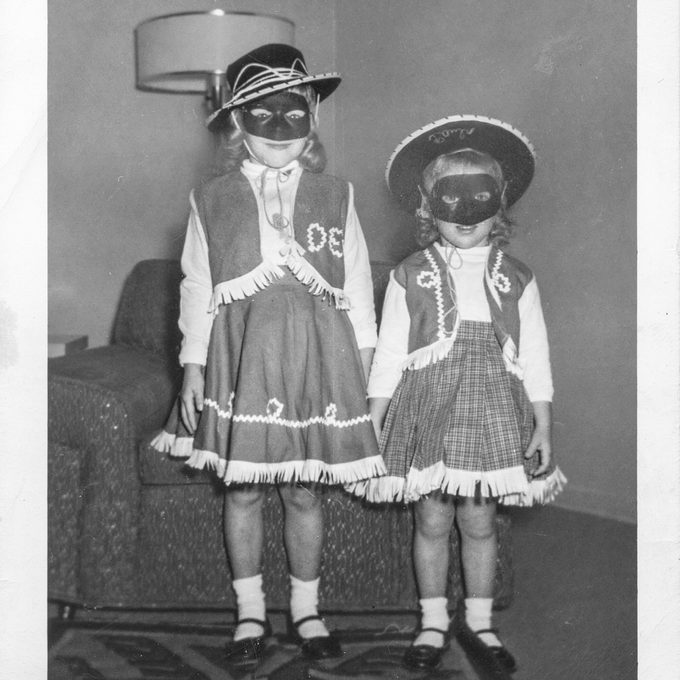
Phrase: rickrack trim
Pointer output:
(436, 351)
(439, 298)
(273, 416)
(500, 281)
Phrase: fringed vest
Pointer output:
(228, 211)
(433, 317)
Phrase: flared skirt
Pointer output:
(285, 394)
(461, 425)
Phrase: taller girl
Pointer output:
(461, 385)
(279, 329)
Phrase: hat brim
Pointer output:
(513, 151)
(324, 84)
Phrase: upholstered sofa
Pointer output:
(130, 527)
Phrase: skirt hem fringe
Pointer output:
(510, 486)
(310, 470)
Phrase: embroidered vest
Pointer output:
(228, 211)
(433, 318)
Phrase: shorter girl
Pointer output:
(460, 389)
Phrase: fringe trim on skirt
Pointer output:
(173, 444)
(310, 470)
(510, 486)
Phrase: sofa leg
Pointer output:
(66, 612)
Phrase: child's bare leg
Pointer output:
(479, 549)
(303, 536)
(434, 517)
(243, 533)
(303, 529)
(477, 525)
(476, 519)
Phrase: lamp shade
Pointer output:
(180, 52)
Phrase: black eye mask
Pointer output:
(465, 199)
(279, 117)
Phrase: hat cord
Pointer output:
(278, 221)
(265, 75)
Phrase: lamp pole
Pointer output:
(216, 90)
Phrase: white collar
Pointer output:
(254, 169)
(474, 253)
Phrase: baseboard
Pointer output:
(599, 503)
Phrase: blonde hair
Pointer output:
(231, 150)
(426, 227)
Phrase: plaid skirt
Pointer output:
(285, 394)
(461, 425)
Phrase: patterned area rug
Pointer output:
(101, 654)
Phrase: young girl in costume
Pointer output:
(460, 388)
(279, 329)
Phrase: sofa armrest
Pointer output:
(100, 403)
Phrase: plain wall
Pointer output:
(563, 72)
(122, 163)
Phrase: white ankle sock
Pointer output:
(434, 615)
(304, 601)
(250, 604)
(478, 617)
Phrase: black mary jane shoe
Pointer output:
(322, 647)
(426, 657)
(248, 649)
(471, 642)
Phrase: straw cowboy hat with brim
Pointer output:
(508, 146)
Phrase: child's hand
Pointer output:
(191, 396)
(541, 440)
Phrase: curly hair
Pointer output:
(231, 150)
(426, 231)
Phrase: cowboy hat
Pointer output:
(509, 147)
(268, 69)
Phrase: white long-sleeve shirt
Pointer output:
(196, 289)
(468, 277)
